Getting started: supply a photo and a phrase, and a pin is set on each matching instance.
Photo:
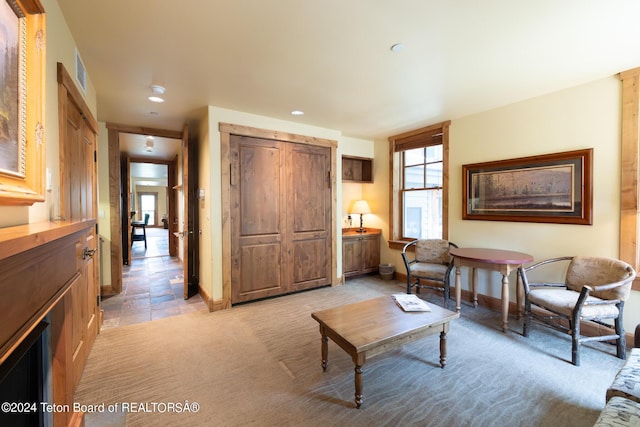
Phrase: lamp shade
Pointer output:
(360, 207)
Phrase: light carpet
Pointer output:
(258, 364)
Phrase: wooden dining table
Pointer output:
(502, 261)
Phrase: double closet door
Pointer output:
(280, 217)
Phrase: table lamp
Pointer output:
(360, 207)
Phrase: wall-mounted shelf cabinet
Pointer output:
(357, 169)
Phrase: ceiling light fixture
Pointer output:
(149, 144)
(397, 47)
(297, 113)
(156, 90)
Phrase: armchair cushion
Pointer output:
(435, 251)
(591, 271)
(430, 271)
(563, 302)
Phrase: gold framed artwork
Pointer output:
(553, 188)
(22, 78)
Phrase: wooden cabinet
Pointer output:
(360, 252)
(357, 169)
(48, 272)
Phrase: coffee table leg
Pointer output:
(358, 378)
(443, 345)
(324, 349)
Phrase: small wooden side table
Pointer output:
(498, 260)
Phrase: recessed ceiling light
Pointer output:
(156, 90)
(297, 113)
(397, 47)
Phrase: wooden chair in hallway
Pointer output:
(140, 237)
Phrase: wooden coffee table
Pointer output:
(368, 328)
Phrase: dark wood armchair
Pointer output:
(430, 266)
(142, 225)
(594, 289)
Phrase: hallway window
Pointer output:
(148, 203)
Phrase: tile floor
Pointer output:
(152, 286)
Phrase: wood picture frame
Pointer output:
(550, 188)
(22, 147)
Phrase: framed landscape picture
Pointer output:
(22, 66)
(554, 188)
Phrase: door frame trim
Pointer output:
(114, 130)
(226, 130)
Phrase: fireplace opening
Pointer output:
(24, 381)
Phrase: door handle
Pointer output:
(86, 252)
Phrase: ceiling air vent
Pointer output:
(81, 73)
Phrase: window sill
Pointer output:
(399, 244)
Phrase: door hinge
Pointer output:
(97, 300)
(95, 156)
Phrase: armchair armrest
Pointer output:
(404, 249)
(547, 261)
(522, 272)
(613, 285)
(407, 261)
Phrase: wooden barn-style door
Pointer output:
(281, 216)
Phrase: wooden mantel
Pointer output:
(21, 238)
(42, 257)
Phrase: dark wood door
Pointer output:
(79, 201)
(280, 217)
(190, 233)
(257, 218)
(308, 213)
(125, 179)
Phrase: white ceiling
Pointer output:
(331, 58)
(149, 174)
(163, 148)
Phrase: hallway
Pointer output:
(152, 286)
